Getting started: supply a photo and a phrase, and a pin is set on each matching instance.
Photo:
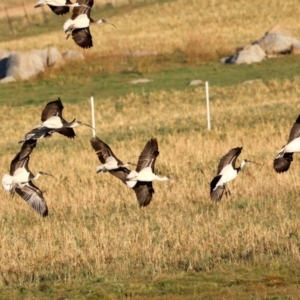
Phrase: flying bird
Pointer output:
(226, 172)
(113, 165)
(20, 180)
(110, 163)
(53, 121)
(59, 7)
(79, 24)
(284, 157)
(141, 178)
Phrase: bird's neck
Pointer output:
(239, 169)
(162, 178)
(36, 176)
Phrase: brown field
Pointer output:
(209, 28)
(95, 227)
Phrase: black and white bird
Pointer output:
(79, 24)
(20, 180)
(110, 163)
(141, 178)
(53, 121)
(226, 172)
(59, 7)
(284, 157)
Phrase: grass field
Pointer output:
(96, 242)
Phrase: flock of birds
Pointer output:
(78, 26)
(19, 180)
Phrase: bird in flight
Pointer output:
(227, 171)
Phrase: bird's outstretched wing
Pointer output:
(295, 131)
(216, 195)
(82, 37)
(59, 10)
(103, 151)
(148, 156)
(282, 164)
(229, 158)
(34, 196)
(85, 8)
(18, 163)
(144, 192)
(68, 132)
(53, 108)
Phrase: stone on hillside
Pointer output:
(8, 79)
(49, 56)
(22, 65)
(73, 55)
(277, 40)
(142, 80)
(247, 55)
(296, 48)
(251, 81)
(196, 82)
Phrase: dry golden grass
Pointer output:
(95, 226)
(214, 27)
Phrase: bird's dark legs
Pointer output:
(227, 191)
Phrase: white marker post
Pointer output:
(207, 105)
(93, 116)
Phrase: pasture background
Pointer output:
(96, 242)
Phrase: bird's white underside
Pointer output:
(81, 21)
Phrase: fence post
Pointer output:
(9, 21)
(25, 13)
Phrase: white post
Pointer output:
(207, 105)
(93, 116)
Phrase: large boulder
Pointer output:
(73, 55)
(246, 55)
(23, 65)
(50, 56)
(278, 40)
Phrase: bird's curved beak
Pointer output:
(88, 125)
(251, 161)
(48, 174)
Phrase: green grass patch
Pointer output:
(242, 283)
(86, 79)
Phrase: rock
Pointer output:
(196, 82)
(277, 40)
(50, 56)
(73, 55)
(247, 55)
(252, 81)
(8, 79)
(296, 48)
(142, 80)
(22, 65)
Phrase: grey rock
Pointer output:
(142, 80)
(73, 55)
(8, 79)
(22, 65)
(196, 82)
(247, 55)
